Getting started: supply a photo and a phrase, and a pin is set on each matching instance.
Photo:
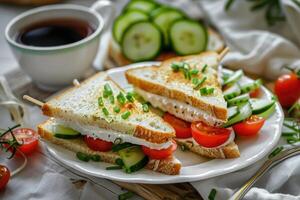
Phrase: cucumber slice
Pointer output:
(118, 147)
(141, 41)
(232, 112)
(125, 20)
(236, 76)
(133, 158)
(245, 112)
(164, 21)
(142, 5)
(238, 100)
(260, 105)
(249, 87)
(232, 92)
(63, 132)
(160, 10)
(266, 114)
(188, 37)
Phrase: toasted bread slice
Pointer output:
(80, 105)
(165, 82)
(229, 151)
(170, 166)
(215, 43)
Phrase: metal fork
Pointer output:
(265, 167)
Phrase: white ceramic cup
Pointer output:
(54, 67)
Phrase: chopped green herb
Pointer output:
(121, 98)
(145, 107)
(119, 162)
(100, 101)
(114, 167)
(176, 66)
(125, 115)
(212, 194)
(82, 156)
(194, 71)
(107, 91)
(95, 158)
(126, 195)
(275, 152)
(204, 68)
(206, 90)
(200, 82)
(117, 109)
(129, 97)
(112, 99)
(105, 111)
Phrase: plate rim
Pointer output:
(178, 178)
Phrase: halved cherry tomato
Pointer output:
(209, 136)
(249, 127)
(4, 176)
(287, 88)
(160, 154)
(27, 137)
(182, 128)
(97, 144)
(255, 93)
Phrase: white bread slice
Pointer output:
(80, 105)
(215, 43)
(170, 166)
(164, 82)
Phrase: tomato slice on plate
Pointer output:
(209, 136)
(97, 144)
(255, 93)
(160, 154)
(28, 139)
(4, 176)
(250, 126)
(182, 128)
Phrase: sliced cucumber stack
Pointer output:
(164, 20)
(238, 100)
(232, 92)
(142, 5)
(188, 37)
(63, 132)
(266, 114)
(261, 105)
(249, 87)
(141, 41)
(133, 158)
(125, 20)
(159, 10)
(245, 112)
(233, 78)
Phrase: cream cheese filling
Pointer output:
(110, 135)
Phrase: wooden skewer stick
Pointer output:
(223, 53)
(33, 100)
(76, 83)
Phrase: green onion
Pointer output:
(107, 91)
(176, 66)
(119, 162)
(117, 109)
(113, 167)
(212, 194)
(204, 68)
(100, 101)
(206, 90)
(126, 195)
(194, 71)
(82, 156)
(200, 82)
(129, 97)
(275, 152)
(95, 158)
(118, 141)
(121, 98)
(112, 99)
(145, 107)
(125, 115)
(105, 111)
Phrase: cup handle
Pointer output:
(106, 9)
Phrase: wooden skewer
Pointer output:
(33, 100)
(76, 83)
(223, 53)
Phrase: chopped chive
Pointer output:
(112, 99)
(195, 81)
(107, 90)
(126, 195)
(275, 152)
(125, 115)
(145, 107)
(117, 109)
(114, 167)
(100, 101)
(204, 68)
(129, 97)
(105, 111)
(118, 141)
(194, 71)
(175, 67)
(206, 90)
(121, 98)
(95, 158)
(212, 194)
(119, 162)
(200, 82)
(82, 156)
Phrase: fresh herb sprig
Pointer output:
(293, 134)
(9, 144)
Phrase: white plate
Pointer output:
(194, 167)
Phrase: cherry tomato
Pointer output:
(160, 154)
(287, 88)
(97, 144)
(255, 93)
(250, 126)
(28, 139)
(182, 128)
(4, 176)
(209, 136)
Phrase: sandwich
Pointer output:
(189, 89)
(97, 120)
